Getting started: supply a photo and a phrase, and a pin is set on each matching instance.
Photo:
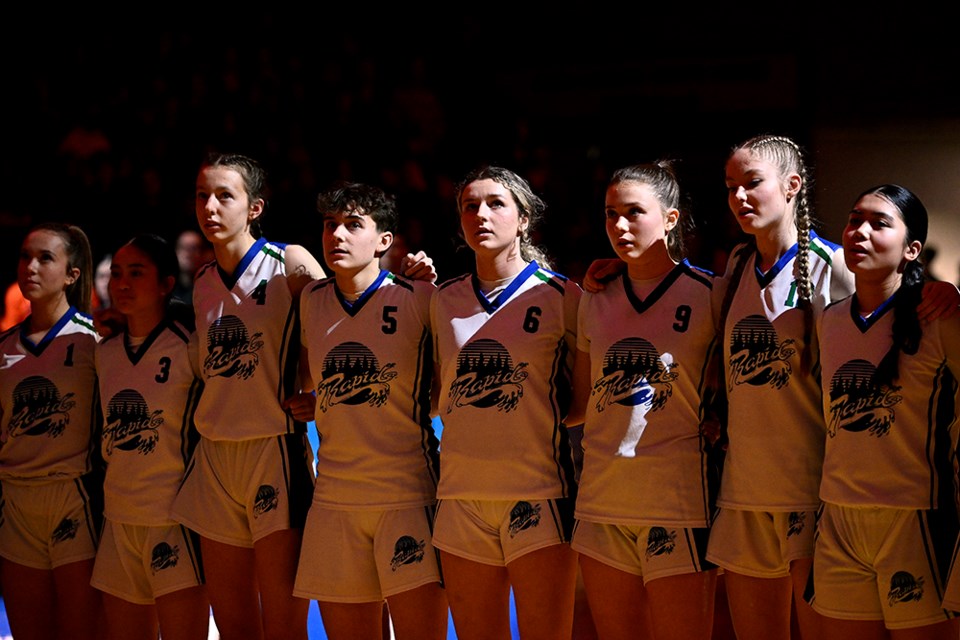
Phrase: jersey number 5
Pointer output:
(389, 322)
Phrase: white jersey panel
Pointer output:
(644, 462)
(248, 346)
(372, 364)
(775, 424)
(149, 397)
(887, 445)
(505, 384)
(48, 400)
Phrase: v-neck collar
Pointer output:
(353, 308)
(491, 306)
(135, 354)
(641, 305)
(230, 280)
(864, 324)
(763, 279)
(39, 347)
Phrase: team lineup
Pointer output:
(787, 429)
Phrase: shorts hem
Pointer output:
(467, 555)
(416, 584)
(878, 617)
(594, 555)
(116, 593)
(50, 565)
(749, 571)
(203, 532)
(313, 595)
(519, 553)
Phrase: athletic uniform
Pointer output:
(251, 474)
(505, 366)
(377, 464)
(150, 393)
(644, 489)
(775, 425)
(51, 506)
(889, 518)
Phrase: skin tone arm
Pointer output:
(581, 389)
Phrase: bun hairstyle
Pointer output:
(907, 330)
(662, 179)
(530, 206)
(253, 175)
(79, 256)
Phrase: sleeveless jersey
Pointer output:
(48, 400)
(149, 397)
(644, 460)
(248, 346)
(775, 425)
(372, 364)
(888, 445)
(505, 386)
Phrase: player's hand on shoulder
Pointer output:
(418, 266)
(602, 271)
(940, 300)
(109, 322)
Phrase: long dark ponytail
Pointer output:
(907, 330)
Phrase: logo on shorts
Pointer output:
(163, 557)
(904, 588)
(66, 530)
(486, 377)
(230, 351)
(859, 403)
(38, 408)
(267, 500)
(661, 542)
(406, 551)
(634, 375)
(352, 375)
(796, 523)
(757, 357)
(130, 425)
(523, 516)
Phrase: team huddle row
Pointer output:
(793, 422)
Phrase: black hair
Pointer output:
(365, 199)
(907, 330)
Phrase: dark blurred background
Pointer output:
(107, 114)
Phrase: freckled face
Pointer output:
(875, 238)
(490, 218)
(757, 194)
(43, 270)
(636, 221)
(224, 210)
